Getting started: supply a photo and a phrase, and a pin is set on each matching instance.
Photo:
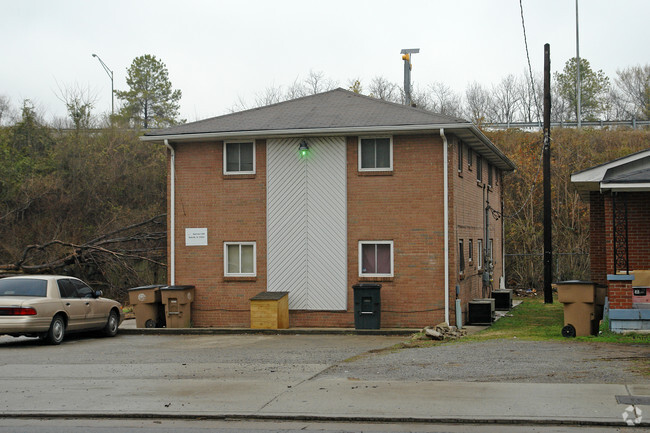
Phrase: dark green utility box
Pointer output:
(367, 306)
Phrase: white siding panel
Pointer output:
(327, 235)
(307, 238)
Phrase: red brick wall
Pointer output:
(468, 198)
(638, 212)
(597, 241)
(620, 295)
(404, 205)
(638, 216)
(232, 208)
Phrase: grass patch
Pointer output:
(535, 320)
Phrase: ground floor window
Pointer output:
(376, 258)
(239, 259)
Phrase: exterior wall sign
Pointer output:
(196, 237)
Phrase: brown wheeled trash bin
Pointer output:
(579, 299)
(177, 301)
(147, 306)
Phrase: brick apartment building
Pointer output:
(618, 193)
(316, 194)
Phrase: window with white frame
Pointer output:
(479, 253)
(461, 255)
(375, 258)
(376, 154)
(470, 251)
(479, 168)
(239, 259)
(239, 157)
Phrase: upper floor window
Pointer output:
(489, 169)
(376, 154)
(470, 157)
(460, 156)
(479, 168)
(239, 157)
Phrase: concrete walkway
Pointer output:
(266, 377)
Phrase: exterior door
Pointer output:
(306, 222)
(75, 307)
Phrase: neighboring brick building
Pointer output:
(314, 195)
(619, 197)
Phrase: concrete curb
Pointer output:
(290, 331)
(323, 418)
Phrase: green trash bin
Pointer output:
(367, 306)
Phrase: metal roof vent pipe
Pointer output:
(406, 56)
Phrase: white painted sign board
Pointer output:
(196, 237)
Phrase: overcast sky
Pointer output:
(218, 52)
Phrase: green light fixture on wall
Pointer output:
(303, 149)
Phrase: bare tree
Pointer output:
(7, 114)
(295, 90)
(530, 97)
(477, 103)
(79, 102)
(316, 82)
(444, 100)
(381, 88)
(270, 95)
(505, 100)
(633, 91)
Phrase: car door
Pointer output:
(74, 306)
(95, 316)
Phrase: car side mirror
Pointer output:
(98, 293)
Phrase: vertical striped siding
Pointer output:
(306, 205)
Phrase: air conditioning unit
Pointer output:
(481, 311)
(502, 299)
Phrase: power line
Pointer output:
(530, 69)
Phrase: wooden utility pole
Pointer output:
(548, 245)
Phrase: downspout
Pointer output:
(446, 219)
(172, 249)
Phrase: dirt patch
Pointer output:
(505, 360)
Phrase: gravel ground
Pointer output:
(504, 360)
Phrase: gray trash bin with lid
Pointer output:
(367, 306)
(147, 306)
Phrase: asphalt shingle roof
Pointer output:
(338, 111)
(337, 108)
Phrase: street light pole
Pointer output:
(110, 75)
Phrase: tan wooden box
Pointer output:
(270, 310)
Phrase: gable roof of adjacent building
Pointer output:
(629, 173)
(336, 112)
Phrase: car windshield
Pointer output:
(23, 287)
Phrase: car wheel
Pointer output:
(57, 331)
(111, 325)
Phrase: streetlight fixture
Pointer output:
(110, 75)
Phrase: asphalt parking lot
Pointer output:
(320, 377)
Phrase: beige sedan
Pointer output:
(49, 306)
